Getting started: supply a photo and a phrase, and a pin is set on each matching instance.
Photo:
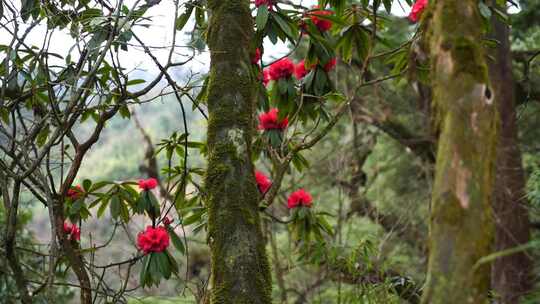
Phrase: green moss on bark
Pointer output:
(240, 269)
(461, 225)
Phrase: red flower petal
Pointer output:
(322, 24)
(282, 68)
(148, 184)
(269, 121)
(255, 59)
(417, 10)
(299, 198)
(263, 182)
(153, 239)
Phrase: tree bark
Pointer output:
(511, 275)
(240, 272)
(461, 224)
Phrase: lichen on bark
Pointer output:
(240, 272)
(461, 225)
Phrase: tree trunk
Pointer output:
(511, 275)
(240, 272)
(461, 225)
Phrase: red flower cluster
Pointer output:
(322, 24)
(269, 3)
(299, 198)
(167, 221)
(148, 184)
(255, 59)
(153, 239)
(75, 193)
(263, 182)
(330, 65)
(282, 68)
(300, 70)
(73, 232)
(417, 10)
(269, 121)
(265, 77)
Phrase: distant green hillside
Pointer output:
(120, 150)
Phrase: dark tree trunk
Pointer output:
(240, 273)
(511, 275)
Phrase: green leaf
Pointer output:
(87, 184)
(124, 213)
(144, 270)
(177, 242)
(283, 25)
(152, 204)
(98, 186)
(184, 17)
(320, 81)
(282, 85)
(335, 97)
(199, 16)
(387, 5)
(163, 262)
(365, 3)
(28, 7)
(501, 15)
(193, 218)
(203, 93)
(140, 204)
(154, 268)
(124, 112)
(4, 114)
(75, 209)
(135, 82)
(485, 11)
(172, 263)
(115, 206)
(103, 206)
(42, 136)
(325, 226)
(362, 42)
(262, 17)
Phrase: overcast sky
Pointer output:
(159, 34)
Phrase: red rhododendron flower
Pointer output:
(282, 68)
(256, 57)
(148, 184)
(269, 121)
(322, 24)
(269, 3)
(265, 77)
(73, 232)
(153, 239)
(75, 192)
(263, 182)
(167, 221)
(417, 10)
(330, 65)
(300, 70)
(299, 198)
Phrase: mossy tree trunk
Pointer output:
(461, 225)
(511, 275)
(240, 273)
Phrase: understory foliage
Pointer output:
(106, 192)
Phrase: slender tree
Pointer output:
(240, 271)
(461, 225)
(511, 274)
